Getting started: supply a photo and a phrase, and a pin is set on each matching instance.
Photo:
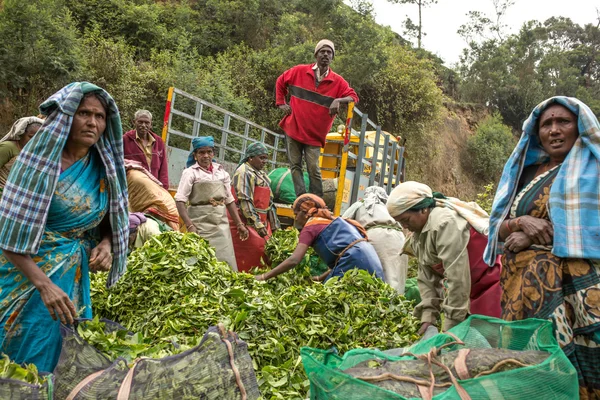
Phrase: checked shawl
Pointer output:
(34, 176)
(574, 203)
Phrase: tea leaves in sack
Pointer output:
(99, 355)
(20, 382)
(481, 358)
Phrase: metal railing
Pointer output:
(188, 116)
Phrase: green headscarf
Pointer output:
(255, 149)
(428, 202)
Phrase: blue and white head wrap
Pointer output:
(574, 197)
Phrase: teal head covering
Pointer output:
(255, 149)
(197, 142)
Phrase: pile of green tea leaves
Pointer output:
(282, 244)
(175, 287)
(115, 343)
(27, 373)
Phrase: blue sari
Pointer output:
(27, 331)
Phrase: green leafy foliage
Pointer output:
(175, 287)
(489, 148)
(40, 52)
(486, 199)
(282, 244)
(121, 343)
(514, 73)
(26, 373)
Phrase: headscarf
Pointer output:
(315, 207)
(323, 43)
(417, 196)
(197, 142)
(255, 149)
(20, 127)
(573, 203)
(409, 195)
(374, 195)
(312, 205)
(135, 220)
(34, 176)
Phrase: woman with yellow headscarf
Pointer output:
(340, 243)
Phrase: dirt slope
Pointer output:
(446, 168)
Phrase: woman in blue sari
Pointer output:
(62, 214)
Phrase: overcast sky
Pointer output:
(442, 20)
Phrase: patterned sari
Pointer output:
(80, 201)
(538, 284)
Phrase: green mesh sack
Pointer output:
(220, 367)
(553, 377)
(282, 185)
(13, 389)
(411, 290)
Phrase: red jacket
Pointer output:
(132, 151)
(310, 122)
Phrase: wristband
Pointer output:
(508, 226)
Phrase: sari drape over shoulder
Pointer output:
(538, 284)
(32, 180)
(52, 215)
(27, 332)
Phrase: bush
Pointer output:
(489, 148)
(486, 199)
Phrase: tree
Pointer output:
(481, 26)
(40, 49)
(489, 148)
(512, 75)
(410, 28)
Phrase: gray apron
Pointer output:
(208, 213)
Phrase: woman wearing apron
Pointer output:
(207, 187)
(339, 242)
(449, 238)
(255, 201)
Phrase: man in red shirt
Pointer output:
(316, 93)
(146, 147)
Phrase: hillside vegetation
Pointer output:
(230, 52)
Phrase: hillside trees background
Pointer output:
(513, 74)
(230, 52)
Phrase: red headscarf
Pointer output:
(315, 207)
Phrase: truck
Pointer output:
(359, 154)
